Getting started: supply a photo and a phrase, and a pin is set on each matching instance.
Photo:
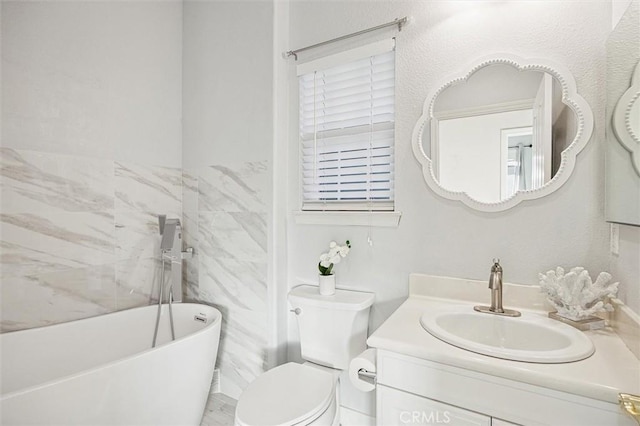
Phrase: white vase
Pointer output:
(327, 284)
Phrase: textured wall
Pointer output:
(442, 237)
(438, 236)
(91, 153)
(227, 136)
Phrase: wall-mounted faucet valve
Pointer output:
(171, 252)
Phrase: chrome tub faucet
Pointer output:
(495, 284)
(171, 252)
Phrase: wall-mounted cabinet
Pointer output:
(622, 123)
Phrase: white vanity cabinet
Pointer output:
(417, 391)
(405, 408)
(397, 407)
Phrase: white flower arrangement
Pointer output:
(332, 257)
(574, 295)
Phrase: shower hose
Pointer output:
(160, 297)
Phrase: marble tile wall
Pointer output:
(78, 235)
(225, 210)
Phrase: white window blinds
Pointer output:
(347, 129)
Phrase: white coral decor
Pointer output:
(574, 295)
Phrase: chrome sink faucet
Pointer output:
(495, 284)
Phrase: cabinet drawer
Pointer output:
(396, 407)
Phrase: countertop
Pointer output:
(610, 370)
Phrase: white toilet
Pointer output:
(333, 330)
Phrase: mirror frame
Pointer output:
(621, 121)
(570, 97)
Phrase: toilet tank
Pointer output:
(333, 329)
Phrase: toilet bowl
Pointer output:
(290, 394)
(333, 330)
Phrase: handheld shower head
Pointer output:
(162, 218)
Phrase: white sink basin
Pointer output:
(529, 338)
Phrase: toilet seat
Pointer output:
(290, 394)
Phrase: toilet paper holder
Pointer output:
(367, 376)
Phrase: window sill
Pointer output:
(378, 219)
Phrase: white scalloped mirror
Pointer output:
(505, 130)
(626, 119)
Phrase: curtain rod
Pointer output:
(398, 21)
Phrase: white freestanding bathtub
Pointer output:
(103, 371)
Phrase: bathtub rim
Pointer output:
(207, 327)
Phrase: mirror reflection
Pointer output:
(499, 132)
(626, 119)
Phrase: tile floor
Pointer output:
(219, 411)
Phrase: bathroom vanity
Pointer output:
(424, 380)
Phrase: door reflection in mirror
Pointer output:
(517, 170)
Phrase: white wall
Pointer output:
(91, 154)
(438, 236)
(97, 79)
(442, 237)
(228, 56)
(227, 148)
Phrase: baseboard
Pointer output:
(349, 417)
(626, 323)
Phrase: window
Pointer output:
(346, 128)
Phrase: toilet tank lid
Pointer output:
(341, 299)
